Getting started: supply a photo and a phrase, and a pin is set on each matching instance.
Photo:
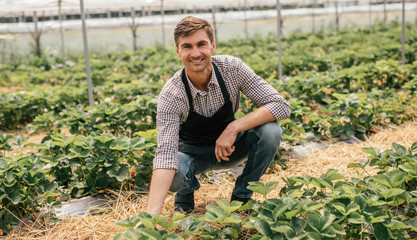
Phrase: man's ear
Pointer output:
(214, 45)
(178, 53)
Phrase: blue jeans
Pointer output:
(258, 146)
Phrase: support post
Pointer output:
(61, 29)
(86, 56)
(370, 13)
(279, 40)
(213, 11)
(385, 12)
(163, 24)
(246, 18)
(337, 16)
(403, 33)
(133, 27)
(313, 16)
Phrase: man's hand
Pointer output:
(224, 144)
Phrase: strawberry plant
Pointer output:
(381, 206)
(110, 118)
(84, 165)
(26, 187)
(4, 143)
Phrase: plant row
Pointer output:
(20, 108)
(381, 206)
(319, 58)
(347, 103)
(322, 51)
(69, 167)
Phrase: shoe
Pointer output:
(184, 202)
(244, 201)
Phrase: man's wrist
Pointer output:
(233, 127)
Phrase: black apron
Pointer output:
(198, 134)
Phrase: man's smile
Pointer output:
(197, 60)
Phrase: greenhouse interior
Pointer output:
(221, 119)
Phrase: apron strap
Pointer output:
(220, 80)
(187, 90)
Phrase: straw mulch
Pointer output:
(127, 204)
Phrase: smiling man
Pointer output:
(197, 130)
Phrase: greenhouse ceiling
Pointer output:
(51, 5)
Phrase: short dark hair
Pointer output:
(190, 25)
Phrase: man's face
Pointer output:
(195, 51)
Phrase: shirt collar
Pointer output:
(194, 91)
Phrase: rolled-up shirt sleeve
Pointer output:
(260, 92)
(167, 122)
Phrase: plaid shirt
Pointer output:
(173, 106)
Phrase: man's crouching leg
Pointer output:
(185, 183)
(264, 143)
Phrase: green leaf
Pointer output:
(129, 222)
(192, 224)
(322, 183)
(380, 231)
(15, 197)
(361, 201)
(391, 192)
(338, 229)
(217, 211)
(313, 236)
(295, 193)
(355, 218)
(397, 178)
(121, 143)
(120, 172)
(354, 165)
(263, 227)
(279, 210)
(383, 180)
(401, 150)
(319, 222)
(281, 227)
(414, 147)
(3, 165)
(332, 174)
(395, 224)
(150, 233)
(137, 143)
(123, 173)
(229, 207)
(304, 179)
(230, 218)
(370, 151)
(103, 138)
(262, 188)
(311, 206)
(378, 217)
(412, 223)
(298, 224)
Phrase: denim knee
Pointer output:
(270, 134)
(183, 174)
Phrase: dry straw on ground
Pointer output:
(127, 204)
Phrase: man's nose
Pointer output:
(195, 52)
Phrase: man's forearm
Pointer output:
(256, 118)
(224, 144)
(160, 184)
